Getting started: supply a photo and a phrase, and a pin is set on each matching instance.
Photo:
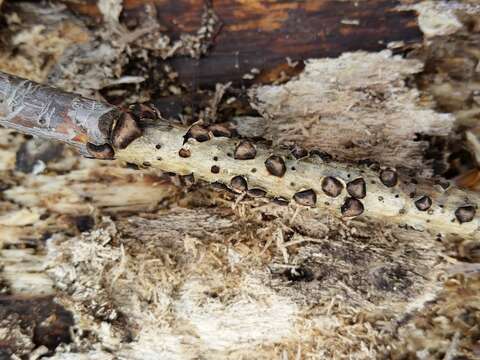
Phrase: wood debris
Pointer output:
(111, 259)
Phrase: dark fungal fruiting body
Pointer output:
(125, 131)
(184, 153)
(389, 177)
(218, 186)
(275, 166)
(444, 184)
(352, 207)
(143, 111)
(306, 197)
(245, 151)
(238, 183)
(198, 133)
(465, 213)
(103, 152)
(132, 166)
(220, 130)
(331, 186)
(298, 152)
(256, 193)
(357, 188)
(280, 201)
(424, 203)
(215, 169)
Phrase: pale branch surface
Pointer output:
(401, 202)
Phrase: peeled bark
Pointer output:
(250, 41)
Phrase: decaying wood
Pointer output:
(32, 326)
(73, 193)
(355, 107)
(288, 29)
(24, 272)
(169, 275)
(140, 269)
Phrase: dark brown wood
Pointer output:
(38, 318)
(262, 34)
(257, 36)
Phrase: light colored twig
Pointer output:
(423, 206)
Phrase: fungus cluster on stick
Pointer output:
(204, 153)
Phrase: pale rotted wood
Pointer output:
(52, 205)
(176, 277)
(23, 270)
(109, 189)
(357, 106)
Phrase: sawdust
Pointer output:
(448, 328)
(144, 269)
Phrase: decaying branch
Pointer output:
(90, 126)
(345, 189)
(257, 171)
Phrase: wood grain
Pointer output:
(262, 34)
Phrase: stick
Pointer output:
(35, 109)
(346, 190)
(257, 171)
